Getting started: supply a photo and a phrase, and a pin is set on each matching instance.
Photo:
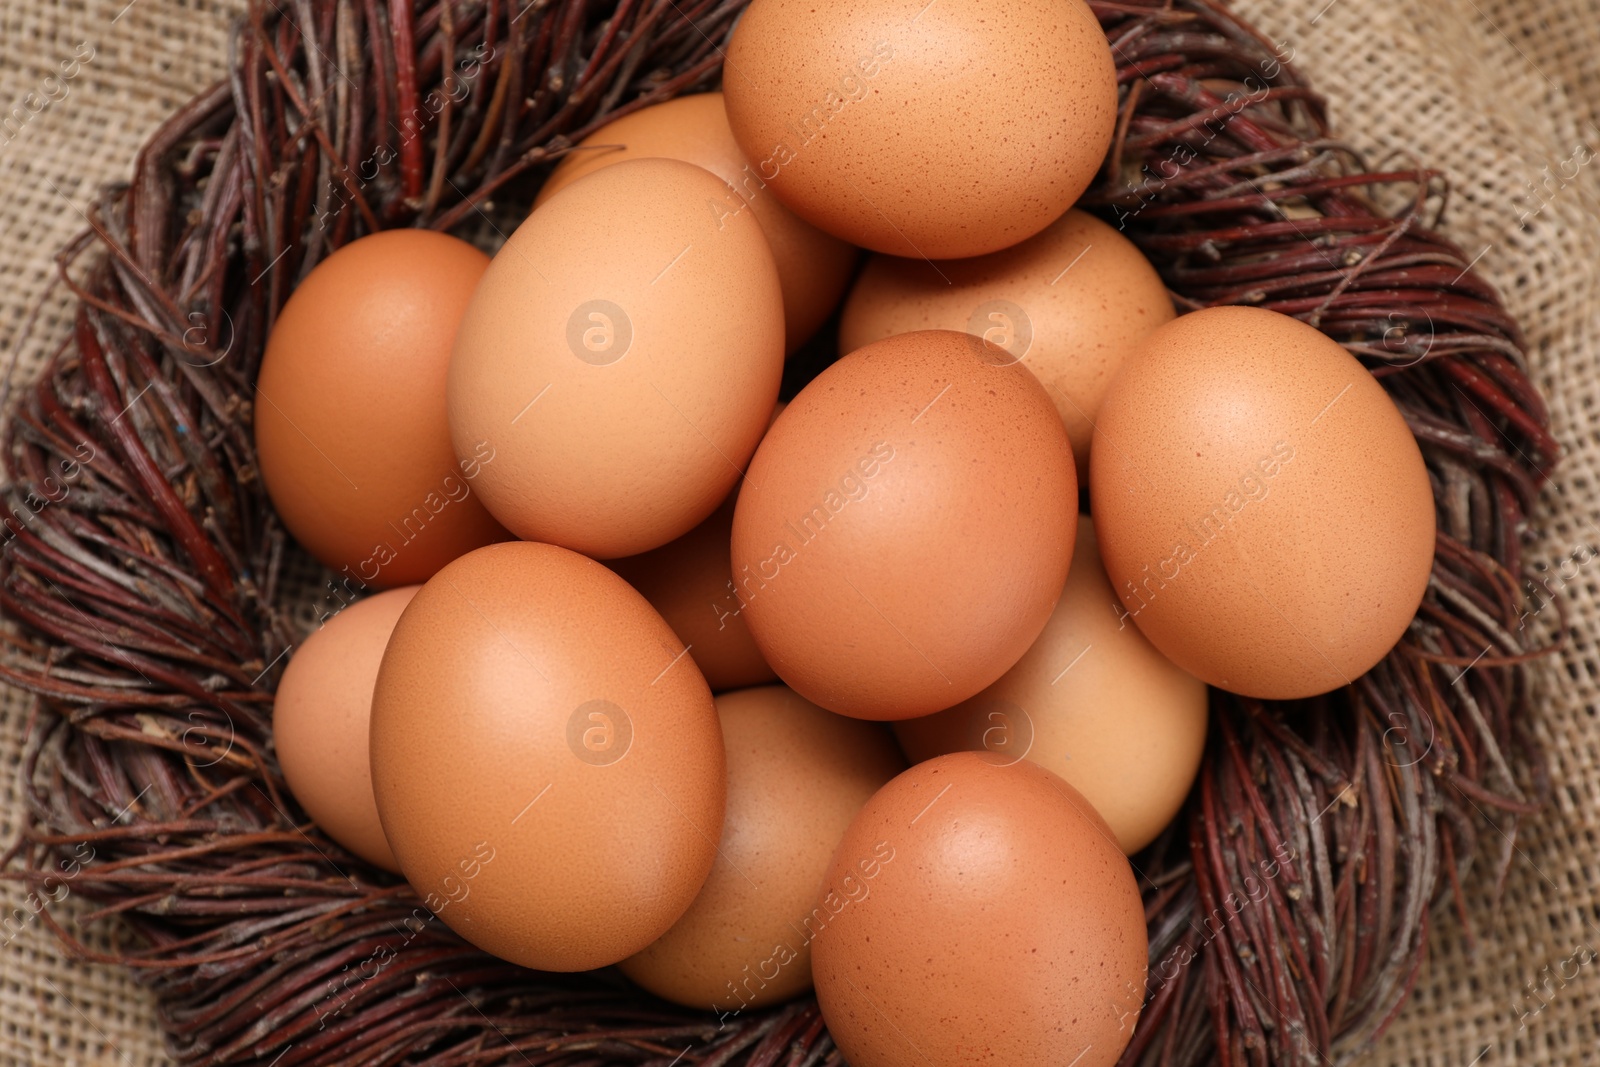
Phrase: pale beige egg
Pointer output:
(1094, 702)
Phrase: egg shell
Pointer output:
(320, 719)
(1263, 510)
(905, 527)
(1070, 302)
(621, 356)
(547, 763)
(797, 775)
(813, 267)
(1092, 701)
(978, 911)
(352, 439)
(930, 130)
(690, 582)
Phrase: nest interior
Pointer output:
(152, 607)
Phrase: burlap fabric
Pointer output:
(1502, 95)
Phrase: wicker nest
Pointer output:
(144, 570)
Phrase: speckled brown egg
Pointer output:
(690, 582)
(1263, 511)
(351, 433)
(929, 130)
(1071, 303)
(320, 719)
(978, 912)
(547, 762)
(906, 526)
(797, 775)
(621, 356)
(1092, 701)
(813, 267)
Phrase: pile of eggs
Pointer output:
(873, 691)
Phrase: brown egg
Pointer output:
(929, 130)
(1264, 512)
(690, 582)
(1092, 701)
(350, 427)
(813, 267)
(320, 718)
(547, 762)
(621, 357)
(978, 911)
(797, 775)
(1070, 303)
(905, 527)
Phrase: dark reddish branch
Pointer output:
(409, 131)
